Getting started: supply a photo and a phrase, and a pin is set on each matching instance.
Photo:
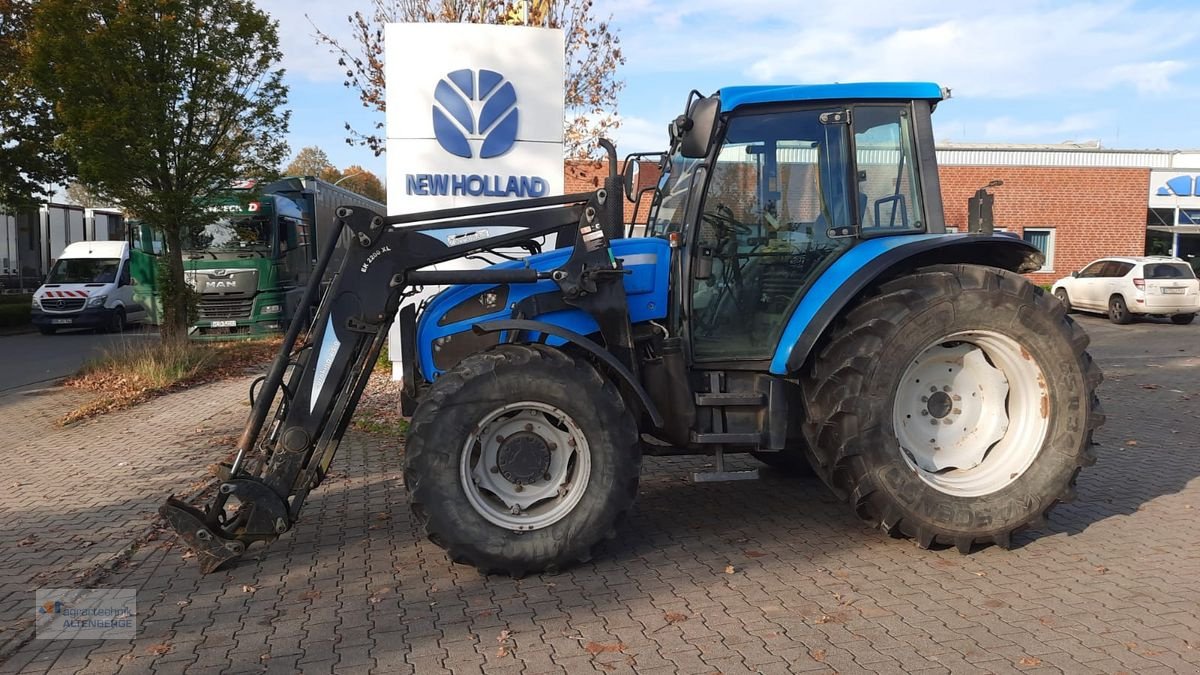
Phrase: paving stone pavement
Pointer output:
(72, 498)
(770, 576)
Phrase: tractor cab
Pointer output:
(768, 186)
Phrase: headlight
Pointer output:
(97, 300)
(272, 309)
(37, 304)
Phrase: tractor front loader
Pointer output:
(795, 294)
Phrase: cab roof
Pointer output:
(735, 97)
(94, 249)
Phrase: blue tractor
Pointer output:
(794, 293)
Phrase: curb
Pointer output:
(91, 577)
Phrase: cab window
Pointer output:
(777, 195)
(888, 192)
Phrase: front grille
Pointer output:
(63, 304)
(225, 308)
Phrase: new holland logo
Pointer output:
(455, 124)
(1179, 186)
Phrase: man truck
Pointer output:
(249, 263)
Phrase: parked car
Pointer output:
(1124, 287)
(88, 287)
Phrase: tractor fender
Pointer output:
(880, 258)
(581, 341)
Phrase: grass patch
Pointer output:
(14, 314)
(133, 373)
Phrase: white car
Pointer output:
(89, 286)
(1123, 287)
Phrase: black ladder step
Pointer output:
(732, 398)
(751, 438)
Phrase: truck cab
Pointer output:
(89, 286)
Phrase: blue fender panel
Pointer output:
(856, 269)
(648, 259)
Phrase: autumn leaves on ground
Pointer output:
(135, 373)
(132, 374)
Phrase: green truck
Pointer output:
(250, 262)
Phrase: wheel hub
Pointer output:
(940, 405)
(970, 412)
(523, 458)
(526, 466)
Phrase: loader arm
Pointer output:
(314, 384)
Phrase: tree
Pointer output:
(81, 195)
(357, 179)
(310, 161)
(593, 54)
(29, 160)
(161, 104)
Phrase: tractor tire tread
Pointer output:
(837, 375)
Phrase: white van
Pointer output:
(89, 286)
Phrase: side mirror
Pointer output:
(699, 127)
(1075, 274)
(633, 170)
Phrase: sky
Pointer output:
(1124, 73)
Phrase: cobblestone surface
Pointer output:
(74, 497)
(770, 576)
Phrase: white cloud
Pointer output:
(1058, 130)
(985, 49)
(640, 135)
(303, 57)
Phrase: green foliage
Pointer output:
(29, 159)
(161, 104)
(12, 314)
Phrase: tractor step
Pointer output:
(747, 438)
(735, 398)
(722, 475)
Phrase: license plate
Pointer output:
(62, 321)
(1173, 291)
(230, 323)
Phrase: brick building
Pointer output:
(1075, 202)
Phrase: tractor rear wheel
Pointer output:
(521, 459)
(954, 406)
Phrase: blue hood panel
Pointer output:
(646, 287)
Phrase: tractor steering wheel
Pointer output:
(723, 220)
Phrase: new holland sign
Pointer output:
(1171, 189)
(474, 114)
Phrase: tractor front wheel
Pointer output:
(521, 460)
(955, 406)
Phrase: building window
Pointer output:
(1043, 239)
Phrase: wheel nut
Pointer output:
(546, 476)
(528, 427)
(946, 388)
(519, 488)
(932, 389)
(924, 399)
(571, 442)
(933, 422)
(924, 413)
(495, 469)
(553, 446)
(499, 438)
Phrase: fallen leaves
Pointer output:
(1131, 443)
(28, 541)
(818, 655)
(158, 649)
(675, 617)
(311, 595)
(595, 648)
(729, 569)
(1030, 661)
(502, 650)
(247, 588)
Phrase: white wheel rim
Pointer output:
(971, 413)
(554, 449)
